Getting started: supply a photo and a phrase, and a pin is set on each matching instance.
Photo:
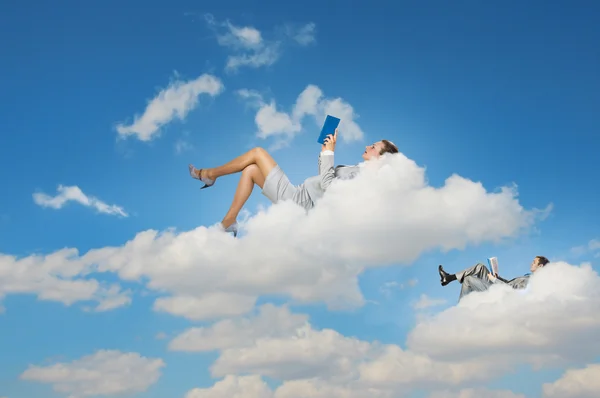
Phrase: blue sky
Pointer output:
(498, 94)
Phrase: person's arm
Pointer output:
(326, 163)
(326, 169)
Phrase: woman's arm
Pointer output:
(326, 161)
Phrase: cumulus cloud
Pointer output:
(250, 48)
(60, 277)
(271, 321)
(236, 387)
(509, 326)
(204, 273)
(172, 102)
(575, 383)
(324, 363)
(476, 393)
(283, 126)
(68, 194)
(106, 372)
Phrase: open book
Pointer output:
(493, 263)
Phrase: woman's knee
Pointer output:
(259, 151)
(251, 170)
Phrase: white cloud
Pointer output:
(234, 387)
(75, 194)
(271, 321)
(476, 393)
(272, 122)
(60, 277)
(182, 146)
(209, 306)
(250, 48)
(592, 247)
(106, 372)
(509, 326)
(173, 102)
(425, 302)
(575, 383)
(304, 35)
(388, 287)
(325, 364)
(204, 273)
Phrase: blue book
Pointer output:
(329, 127)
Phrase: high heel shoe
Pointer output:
(197, 174)
(232, 228)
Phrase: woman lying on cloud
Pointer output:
(258, 167)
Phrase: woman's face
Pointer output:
(372, 151)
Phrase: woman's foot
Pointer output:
(230, 226)
(200, 174)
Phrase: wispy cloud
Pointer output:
(249, 46)
(73, 193)
(173, 102)
(388, 287)
(283, 126)
(592, 247)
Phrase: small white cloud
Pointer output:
(106, 372)
(388, 287)
(173, 102)
(311, 102)
(182, 146)
(426, 302)
(592, 247)
(75, 194)
(575, 383)
(161, 336)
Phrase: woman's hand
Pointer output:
(329, 144)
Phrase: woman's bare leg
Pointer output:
(257, 156)
(250, 175)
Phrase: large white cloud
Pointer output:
(554, 322)
(173, 102)
(324, 363)
(388, 214)
(106, 372)
(283, 126)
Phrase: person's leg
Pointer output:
(250, 175)
(258, 156)
(471, 284)
(478, 270)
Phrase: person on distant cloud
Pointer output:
(479, 278)
(258, 167)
